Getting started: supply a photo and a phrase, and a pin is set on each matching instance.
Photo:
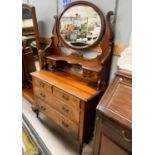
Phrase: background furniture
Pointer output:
(28, 66)
(30, 33)
(72, 82)
(29, 24)
(113, 134)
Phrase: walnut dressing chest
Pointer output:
(76, 68)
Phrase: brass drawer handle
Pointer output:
(65, 124)
(65, 109)
(43, 95)
(125, 137)
(65, 97)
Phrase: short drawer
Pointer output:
(117, 133)
(67, 98)
(42, 94)
(58, 118)
(42, 85)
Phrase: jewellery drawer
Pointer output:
(42, 85)
(67, 98)
(42, 94)
(117, 133)
(65, 109)
(58, 118)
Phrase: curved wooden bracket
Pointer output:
(106, 44)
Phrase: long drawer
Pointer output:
(67, 98)
(116, 132)
(65, 109)
(58, 118)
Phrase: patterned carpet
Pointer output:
(32, 143)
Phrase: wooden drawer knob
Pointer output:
(42, 84)
(42, 95)
(65, 97)
(43, 108)
(125, 137)
(65, 124)
(65, 109)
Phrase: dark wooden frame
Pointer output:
(34, 19)
(82, 3)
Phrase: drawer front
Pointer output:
(59, 119)
(121, 135)
(65, 109)
(42, 94)
(67, 98)
(108, 147)
(42, 85)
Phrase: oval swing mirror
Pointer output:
(81, 25)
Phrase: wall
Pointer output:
(46, 9)
(24, 1)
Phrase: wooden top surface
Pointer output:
(117, 100)
(68, 83)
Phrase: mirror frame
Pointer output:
(35, 24)
(102, 18)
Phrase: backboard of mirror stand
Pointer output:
(77, 60)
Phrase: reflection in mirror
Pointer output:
(80, 26)
(83, 54)
(27, 27)
(28, 33)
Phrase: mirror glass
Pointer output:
(28, 34)
(80, 26)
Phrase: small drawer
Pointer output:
(65, 109)
(42, 85)
(90, 75)
(42, 94)
(58, 118)
(120, 134)
(67, 98)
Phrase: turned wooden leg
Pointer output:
(81, 149)
(34, 108)
(37, 113)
